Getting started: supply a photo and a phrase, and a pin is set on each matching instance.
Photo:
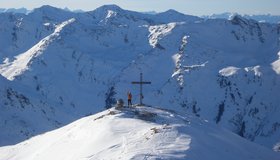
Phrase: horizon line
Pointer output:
(147, 11)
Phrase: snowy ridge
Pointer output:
(178, 60)
(22, 62)
(137, 133)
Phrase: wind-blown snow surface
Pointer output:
(62, 66)
(137, 133)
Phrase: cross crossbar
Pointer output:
(141, 82)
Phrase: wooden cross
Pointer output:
(141, 83)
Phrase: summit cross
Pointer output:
(141, 82)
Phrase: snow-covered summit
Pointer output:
(238, 19)
(137, 133)
(48, 9)
(112, 7)
(50, 14)
(175, 16)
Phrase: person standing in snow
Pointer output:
(129, 97)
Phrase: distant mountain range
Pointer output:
(26, 11)
(14, 10)
(261, 18)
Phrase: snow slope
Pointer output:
(21, 63)
(60, 69)
(137, 133)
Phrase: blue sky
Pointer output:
(193, 7)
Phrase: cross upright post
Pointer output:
(141, 82)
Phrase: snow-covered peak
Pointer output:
(103, 11)
(238, 19)
(111, 7)
(232, 16)
(171, 12)
(137, 133)
(108, 12)
(175, 16)
(48, 9)
(51, 14)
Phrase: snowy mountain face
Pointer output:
(137, 133)
(58, 66)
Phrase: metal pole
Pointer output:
(141, 95)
